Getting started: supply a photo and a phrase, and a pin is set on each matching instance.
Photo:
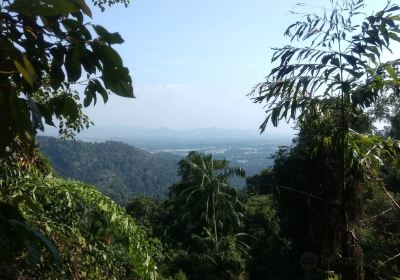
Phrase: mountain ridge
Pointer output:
(117, 169)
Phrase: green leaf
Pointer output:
(396, 17)
(345, 86)
(70, 109)
(351, 60)
(77, 29)
(73, 63)
(115, 76)
(394, 36)
(27, 70)
(20, 116)
(36, 115)
(46, 113)
(335, 61)
(90, 62)
(111, 38)
(110, 57)
(33, 239)
(57, 75)
(87, 101)
(85, 8)
(90, 94)
(393, 8)
(391, 71)
(103, 92)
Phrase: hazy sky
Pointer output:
(194, 61)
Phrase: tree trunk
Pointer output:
(215, 225)
(352, 261)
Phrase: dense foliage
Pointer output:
(204, 201)
(116, 169)
(51, 228)
(285, 226)
(328, 83)
(328, 208)
(46, 48)
(199, 223)
(92, 237)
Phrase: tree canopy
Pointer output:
(48, 48)
(48, 51)
(327, 208)
(327, 83)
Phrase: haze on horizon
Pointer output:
(193, 62)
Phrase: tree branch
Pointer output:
(376, 216)
(391, 259)
(300, 192)
(390, 196)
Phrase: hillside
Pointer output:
(116, 169)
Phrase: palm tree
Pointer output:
(209, 202)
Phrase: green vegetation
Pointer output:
(275, 225)
(45, 46)
(92, 237)
(118, 170)
(51, 228)
(204, 201)
(199, 223)
(328, 208)
(328, 84)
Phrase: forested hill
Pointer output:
(115, 168)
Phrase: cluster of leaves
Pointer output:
(199, 223)
(102, 3)
(342, 63)
(305, 214)
(92, 236)
(46, 48)
(70, 117)
(207, 204)
(379, 233)
(284, 212)
(327, 85)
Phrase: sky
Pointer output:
(193, 62)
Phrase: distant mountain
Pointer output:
(166, 133)
(172, 137)
(115, 168)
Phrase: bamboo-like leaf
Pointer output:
(392, 72)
